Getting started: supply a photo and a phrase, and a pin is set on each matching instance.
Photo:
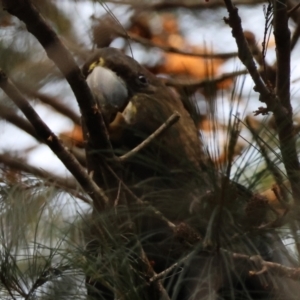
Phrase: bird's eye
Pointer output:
(142, 79)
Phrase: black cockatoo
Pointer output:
(134, 104)
(174, 174)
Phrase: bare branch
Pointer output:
(49, 138)
(190, 84)
(53, 102)
(20, 165)
(165, 126)
(173, 267)
(67, 184)
(11, 116)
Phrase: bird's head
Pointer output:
(115, 78)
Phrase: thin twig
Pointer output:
(53, 102)
(268, 267)
(261, 265)
(67, 184)
(170, 49)
(158, 132)
(289, 12)
(267, 72)
(11, 116)
(165, 272)
(202, 83)
(18, 164)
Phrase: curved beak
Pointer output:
(109, 90)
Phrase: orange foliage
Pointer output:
(73, 138)
(272, 195)
(194, 67)
(173, 63)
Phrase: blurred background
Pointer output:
(187, 44)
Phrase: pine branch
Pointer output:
(49, 138)
(278, 104)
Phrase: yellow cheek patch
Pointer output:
(129, 113)
(99, 62)
(92, 67)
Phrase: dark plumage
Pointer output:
(171, 160)
(173, 174)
